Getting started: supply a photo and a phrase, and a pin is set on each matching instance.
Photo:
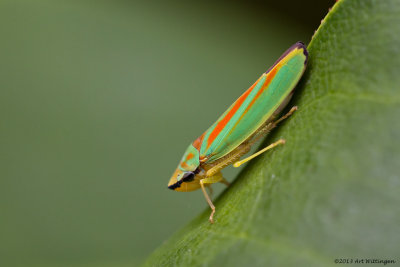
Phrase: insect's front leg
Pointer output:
(210, 191)
(210, 180)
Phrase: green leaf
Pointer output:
(333, 191)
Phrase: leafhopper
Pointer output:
(248, 119)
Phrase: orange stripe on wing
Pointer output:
(197, 143)
(224, 121)
(268, 80)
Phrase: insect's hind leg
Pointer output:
(263, 131)
(227, 160)
(240, 162)
(291, 111)
(210, 180)
(271, 125)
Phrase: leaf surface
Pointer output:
(333, 191)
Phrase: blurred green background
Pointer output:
(98, 101)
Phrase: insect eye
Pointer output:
(188, 176)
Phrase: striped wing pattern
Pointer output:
(254, 107)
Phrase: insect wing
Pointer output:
(255, 106)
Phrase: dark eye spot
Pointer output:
(188, 176)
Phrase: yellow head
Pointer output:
(184, 181)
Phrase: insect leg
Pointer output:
(225, 182)
(271, 125)
(228, 160)
(267, 128)
(240, 162)
(291, 111)
(210, 180)
(210, 190)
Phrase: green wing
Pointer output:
(255, 106)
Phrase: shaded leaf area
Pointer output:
(333, 191)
